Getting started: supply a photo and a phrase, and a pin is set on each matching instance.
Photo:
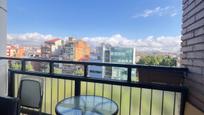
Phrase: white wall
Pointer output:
(3, 39)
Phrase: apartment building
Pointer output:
(20, 52)
(76, 50)
(109, 54)
(15, 51)
(123, 56)
(51, 48)
(32, 51)
(11, 50)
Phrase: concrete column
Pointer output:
(3, 42)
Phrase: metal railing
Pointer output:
(132, 97)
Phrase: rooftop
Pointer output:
(53, 40)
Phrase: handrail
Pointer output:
(99, 64)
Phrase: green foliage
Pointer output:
(58, 71)
(29, 67)
(79, 72)
(16, 66)
(158, 60)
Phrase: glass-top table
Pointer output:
(86, 105)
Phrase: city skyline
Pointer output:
(150, 44)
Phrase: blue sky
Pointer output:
(130, 18)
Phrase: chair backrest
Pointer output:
(9, 106)
(30, 93)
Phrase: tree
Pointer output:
(29, 67)
(16, 66)
(79, 72)
(168, 61)
(158, 60)
(58, 71)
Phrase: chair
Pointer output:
(9, 106)
(30, 94)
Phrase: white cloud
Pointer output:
(28, 38)
(158, 11)
(150, 43)
(173, 14)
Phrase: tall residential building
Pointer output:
(96, 56)
(76, 50)
(51, 48)
(32, 51)
(11, 50)
(20, 52)
(122, 56)
(15, 51)
(109, 54)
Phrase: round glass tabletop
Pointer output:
(87, 105)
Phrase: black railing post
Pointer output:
(11, 83)
(51, 71)
(85, 70)
(9, 64)
(77, 87)
(23, 65)
(183, 100)
(129, 74)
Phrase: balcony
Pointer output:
(153, 91)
